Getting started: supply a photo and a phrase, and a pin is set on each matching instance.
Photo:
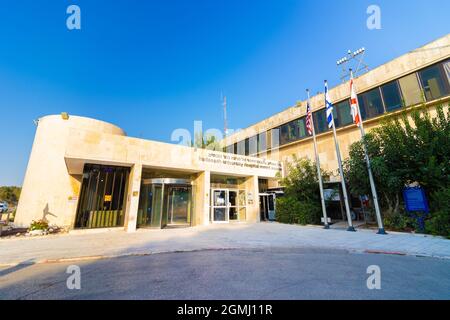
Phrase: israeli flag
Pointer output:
(329, 107)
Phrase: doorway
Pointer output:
(267, 206)
(227, 205)
(165, 203)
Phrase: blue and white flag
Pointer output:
(329, 107)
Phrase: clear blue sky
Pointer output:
(153, 66)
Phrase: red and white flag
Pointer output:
(354, 105)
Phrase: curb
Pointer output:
(145, 254)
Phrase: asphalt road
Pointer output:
(234, 274)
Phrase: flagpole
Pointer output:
(319, 174)
(369, 169)
(341, 172)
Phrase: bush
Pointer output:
(399, 222)
(39, 225)
(439, 222)
(290, 210)
(301, 203)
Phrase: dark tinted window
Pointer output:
(293, 131)
(342, 114)
(320, 121)
(433, 82)
(370, 104)
(391, 96)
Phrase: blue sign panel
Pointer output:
(415, 200)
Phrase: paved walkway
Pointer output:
(261, 235)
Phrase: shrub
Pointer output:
(290, 210)
(39, 225)
(439, 222)
(301, 203)
(399, 222)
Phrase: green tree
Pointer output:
(403, 150)
(301, 203)
(10, 194)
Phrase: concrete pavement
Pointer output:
(107, 244)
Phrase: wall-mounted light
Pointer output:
(64, 115)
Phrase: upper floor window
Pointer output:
(262, 142)
(370, 104)
(434, 83)
(412, 94)
(293, 131)
(320, 121)
(253, 145)
(391, 95)
(241, 148)
(446, 66)
(274, 138)
(342, 114)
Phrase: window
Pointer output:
(342, 114)
(370, 104)
(391, 96)
(247, 146)
(275, 138)
(262, 142)
(230, 148)
(433, 82)
(320, 121)
(241, 147)
(102, 195)
(293, 131)
(446, 66)
(410, 90)
(235, 148)
(301, 128)
(253, 145)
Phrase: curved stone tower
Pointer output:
(48, 191)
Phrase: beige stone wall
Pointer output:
(48, 190)
(62, 147)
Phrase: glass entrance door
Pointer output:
(219, 206)
(165, 202)
(227, 205)
(179, 205)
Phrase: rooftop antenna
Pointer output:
(357, 57)
(224, 103)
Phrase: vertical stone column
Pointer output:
(252, 189)
(132, 200)
(202, 196)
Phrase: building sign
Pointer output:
(415, 199)
(240, 161)
(416, 204)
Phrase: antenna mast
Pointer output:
(225, 129)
